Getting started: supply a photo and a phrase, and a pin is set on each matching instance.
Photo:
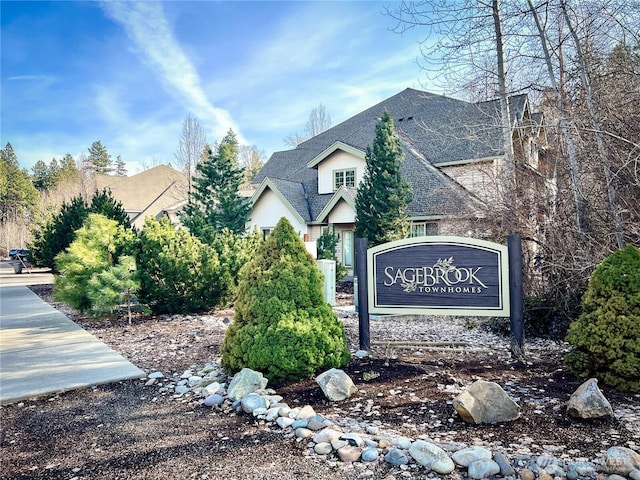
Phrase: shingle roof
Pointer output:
(434, 130)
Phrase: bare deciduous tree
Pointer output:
(192, 142)
(319, 121)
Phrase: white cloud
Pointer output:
(147, 26)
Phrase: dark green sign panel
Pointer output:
(439, 276)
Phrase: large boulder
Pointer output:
(336, 385)
(244, 382)
(485, 402)
(589, 402)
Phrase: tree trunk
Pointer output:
(564, 127)
(611, 193)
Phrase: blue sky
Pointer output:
(128, 73)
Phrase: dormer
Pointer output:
(340, 165)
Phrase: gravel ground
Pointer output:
(132, 430)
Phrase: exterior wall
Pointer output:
(342, 213)
(269, 210)
(338, 160)
(478, 178)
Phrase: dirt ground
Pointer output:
(129, 430)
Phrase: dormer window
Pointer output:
(344, 177)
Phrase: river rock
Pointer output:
(284, 422)
(244, 382)
(369, 454)
(252, 402)
(305, 412)
(396, 457)
(467, 456)
(211, 389)
(429, 454)
(349, 454)
(213, 400)
(506, 469)
(485, 402)
(326, 436)
(323, 448)
(483, 468)
(621, 461)
(336, 385)
(589, 402)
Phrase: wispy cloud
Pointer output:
(147, 27)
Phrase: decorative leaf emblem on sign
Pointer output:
(443, 264)
(446, 265)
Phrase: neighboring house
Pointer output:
(453, 151)
(155, 192)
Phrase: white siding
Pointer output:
(342, 213)
(339, 160)
(268, 211)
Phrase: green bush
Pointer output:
(606, 337)
(283, 327)
(178, 273)
(97, 248)
(54, 237)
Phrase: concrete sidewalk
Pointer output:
(43, 352)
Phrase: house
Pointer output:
(453, 153)
(159, 191)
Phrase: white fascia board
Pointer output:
(341, 194)
(268, 183)
(336, 146)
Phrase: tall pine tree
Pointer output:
(99, 159)
(383, 195)
(215, 203)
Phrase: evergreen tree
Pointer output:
(383, 195)
(121, 167)
(215, 203)
(99, 159)
(283, 326)
(58, 234)
(104, 203)
(18, 196)
(45, 177)
(87, 277)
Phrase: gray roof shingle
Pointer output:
(434, 130)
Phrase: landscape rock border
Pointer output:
(367, 446)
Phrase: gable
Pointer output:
(269, 206)
(339, 161)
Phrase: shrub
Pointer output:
(606, 337)
(233, 251)
(178, 273)
(96, 249)
(59, 232)
(283, 327)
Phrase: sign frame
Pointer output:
(461, 244)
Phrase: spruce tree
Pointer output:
(383, 195)
(283, 326)
(215, 203)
